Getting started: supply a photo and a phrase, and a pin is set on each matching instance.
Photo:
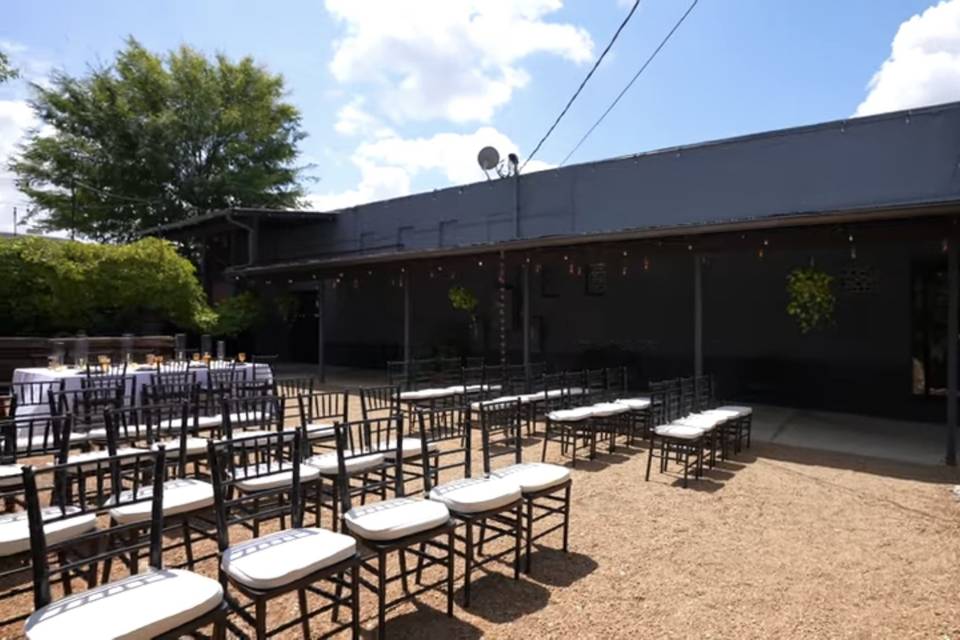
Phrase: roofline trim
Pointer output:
(770, 222)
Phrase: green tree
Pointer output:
(6, 71)
(150, 139)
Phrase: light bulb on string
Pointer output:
(646, 263)
(945, 245)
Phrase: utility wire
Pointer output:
(632, 80)
(582, 84)
(116, 196)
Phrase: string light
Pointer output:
(760, 253)
(945, 245)
(646, 263)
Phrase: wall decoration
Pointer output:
(596, 280)
(811, 298)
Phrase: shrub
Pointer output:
(53, 286)
(811, 299)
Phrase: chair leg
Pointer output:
(649, 460)
(261, 619)
(546, 439)
(187, 542)
(403, 570)
(451, 557)
(517, 540)
(529, 527)
(355, 601)
(566, 518)
(468, 564)
(381, 595)
(304, 618)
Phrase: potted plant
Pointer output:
(811, 300)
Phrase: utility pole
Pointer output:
(14, 221)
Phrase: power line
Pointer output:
(582, 84)
(116, 196)
(632, 80)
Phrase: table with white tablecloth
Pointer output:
(139, 375)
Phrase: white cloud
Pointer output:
(353, 119)
(389, 165)
(924, 63)
(451, 59)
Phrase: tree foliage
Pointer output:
(811, 298)
(236, 314)
(56, 286)
(152, 139)
(6, 71)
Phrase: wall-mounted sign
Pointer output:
(596, 279)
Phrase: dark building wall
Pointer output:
(644, 319)
(892, 160)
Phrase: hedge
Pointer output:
(57, 286)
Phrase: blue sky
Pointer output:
(398, 97)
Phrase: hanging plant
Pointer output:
(811, 299)
(463, 299)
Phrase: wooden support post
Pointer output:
(697, 316)
(526, 319)
(321, 365)
(406, 327)
(953, 310)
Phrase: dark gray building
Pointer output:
(668, 262)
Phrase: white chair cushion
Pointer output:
(395, 519)
(93, 456)
(685, 432)
(533, 476)
(203, 422)
(285, 556)
(326, 463)
(721, 413)
(139, 606)
(476, 405)
(244, 417)
(15, 529)
(179, 496)
(36, 442)
(11, 475)
(425, 394)
(635, 404)
(570, 415)
(607, 409)
(741, 412)
(473, 495)
(281, 475)
(320, 430)
(195, 446)
(410, 448)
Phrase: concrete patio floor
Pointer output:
(868, 436)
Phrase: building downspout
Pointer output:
(252, 239)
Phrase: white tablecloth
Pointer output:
(139, 377)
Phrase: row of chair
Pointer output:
(369, 459)
(691, 426)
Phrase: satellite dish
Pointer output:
(488, 158)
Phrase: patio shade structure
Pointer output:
(869, 201)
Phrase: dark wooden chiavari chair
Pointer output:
(259, 479)
(33, 398)
(474, 501)
(29, 439)
(399, 525)
(86, 406)
(66, 542)
(319, 411)
(545, 487)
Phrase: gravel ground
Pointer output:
(780, 542)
